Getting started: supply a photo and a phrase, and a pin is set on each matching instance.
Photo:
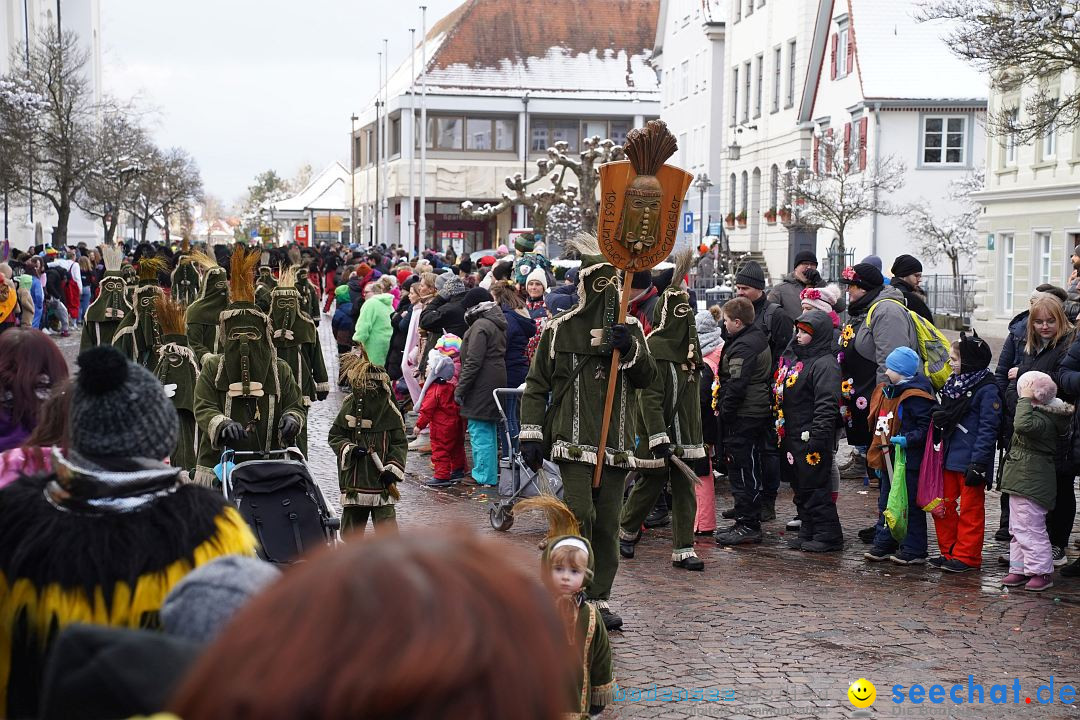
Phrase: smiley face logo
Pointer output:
(862, 693)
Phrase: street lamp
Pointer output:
(702, 183)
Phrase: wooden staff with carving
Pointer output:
(640, 207)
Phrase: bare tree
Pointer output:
(952, 235)
(595, 152)
(845, 191)
(124, 152)
(169, 183)
(1019, 43)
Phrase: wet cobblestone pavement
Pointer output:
(782, 633)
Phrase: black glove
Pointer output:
(359, 452)
(976, 475)
(322, 394)
(532, 452)
(663, 451)
(620, 338)
(813, 277)
(288, 426)
(231, 432)
(387, 478)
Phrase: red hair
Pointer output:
(26, 353)
(430, 624)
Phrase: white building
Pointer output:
(505, 81)
(1031, 219)
(23, 19)
(690, 52)
(318, 213)
(890, 87)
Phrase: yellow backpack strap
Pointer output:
(871, 310)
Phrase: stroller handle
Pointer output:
(229, 455)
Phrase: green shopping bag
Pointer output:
(896, 509)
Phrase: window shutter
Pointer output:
(829, 149)
(862, 143)
(850, 51)
(835, 45)
(847, 146)
(817, 149)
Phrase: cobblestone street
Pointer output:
(781, 633)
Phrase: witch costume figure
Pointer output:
(131, 280)
(139, 334)
(204, 313)
(669, 424)
(178, 372)
(263, 287)
(368, 438)
(297, 343)
(110, 307)
(309, 296)
(185, 276)
(245, 398)
(571, 365)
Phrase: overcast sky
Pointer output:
(250, 85)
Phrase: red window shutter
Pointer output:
(835, 45)
(850, 52)
(817, 149)
(862, 143)
(847, 146)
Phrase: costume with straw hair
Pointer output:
(178, 371)
(264, 284)
(110, 307)
(185, 276)
(244, 382)
(584, 627)
(203, 314)
(368, 439)
(309, 294)
(139, 334)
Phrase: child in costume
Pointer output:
(1030, 479)
(440, 413)
(567, 567)
(178, 372)
(139, 334)
(368, 438)
(109, 309)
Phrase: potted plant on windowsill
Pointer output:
(741, 218)
(785, 215)
(770, 216)
(729, 220)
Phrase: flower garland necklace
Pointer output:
(785, 376)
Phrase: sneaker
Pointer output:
(457, 475)
(957, 566)
(795, 543)
(438, 482)
(1060, 558)
(728, 514)
(64, 333)
(689, 563)
(1038, 583)
(817, 546)
(1071, 570)
(903, 558)
(876, 555)
(1015, 579)
(867, 534)
(1003, 559)
(794, 524)
(854, 468)
(937, 561)
(611, 620)
(657, 518)
(626, 549)
(1002, 535)
(739, 535)
(422, 444)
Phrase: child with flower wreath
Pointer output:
(807, 404)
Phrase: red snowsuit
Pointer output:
(441, 413)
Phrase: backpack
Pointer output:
(933, 345)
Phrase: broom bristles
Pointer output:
(683, 259)
(561, 520)
(171, 315)
(149, 267)
(203, 260)
(649, 147)
(287, 278)
(112, 257)
(242, 274)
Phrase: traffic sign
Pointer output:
(688, 222)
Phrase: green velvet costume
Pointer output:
(669, 412)
(185, 281)
(246, 383)
(104, 315)
(265, 283)
(308, 294)
(204, 314)
(368, 418)
(297, 343)
(571, 364)
(131, 278)
(178, 372)
(139, 334)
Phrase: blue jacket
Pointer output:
(343, 318)
(1069, 367)
(914, 418)
(38, 296)
(519, 330)
(1011, 350)
(974, 439)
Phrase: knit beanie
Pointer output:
(451, 287)
(119, 409)
(502, 250)
(206, 598)
(905, 265)
(975, 354)
(642, 280)
(525, 242)
(823, 299)
(476, 296)
(572, 275)
(363, 270)
(341, 293)
(556, 302)
(1042, 385)
(403, 275)
(904, 362)
(805, 256)
(539, 276)
(872, 260)
(751, 275)
(863, 275)
(449, 345)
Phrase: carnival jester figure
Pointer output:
(204, 313)
(178, 371)
(245, 397)
(297, 343)
(263, 288)
(368, 438)
(309, 296)
(669, 424)
(139, 334)
(131, 279)
(110, 307)
(185, 276)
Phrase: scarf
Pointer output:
(958, 385)
(862, 305)
(956, 399)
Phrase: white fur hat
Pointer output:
(823, 299)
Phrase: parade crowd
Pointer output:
(120, 558)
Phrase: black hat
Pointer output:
(476, 296)
(751, 275)
(975, 354)
(805, 256)
(905, 265)
(863, 275)
(642, 280)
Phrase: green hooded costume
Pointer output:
(571, 365)
(139, 334)
(263, 286)
(185, 281)
(308, 294)
(369, 421)
(297, 343)
(132, 280)
(669, 414)
(110, 307)
(204, 313)
(178, 371)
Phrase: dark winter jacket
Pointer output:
(974, 438)
(445, 316)
(1049, 360)
(343, 324)
(811, 402)
(1030, 469)
(708, 417)
(915, 299)
(775, 324)
(1011, 350)
(519, 330)
(483, 362)
(745, 370)
(914, 414)
(399, 331)
(356, 296)
(787, 296)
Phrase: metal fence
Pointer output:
(950, 296)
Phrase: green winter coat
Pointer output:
(178, 372)
(1029, 467)
(204, 314)
(106, 313)
(368, 418)
(373, 328)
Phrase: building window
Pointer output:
(1010, 139)
(1048, 145)
(1008, 246)
(683, 150)
(943, 140)
(774, 187)
(745, 197)
(684, 80)
(619, 130)
(544, 132)
(506, 135)
(703, 69)
(445, 133)
(758, 82)
(478, 134)
(735, 95)
(842, 53)
(395, 136)
(852, 149)
(791, 75)
(731, 193)
(482, 134)
(777, 66)
(1042, 248)
(746, 92)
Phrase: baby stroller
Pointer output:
(278, 498)
(516, 479)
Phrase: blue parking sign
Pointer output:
(688, 222)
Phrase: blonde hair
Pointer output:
(1051, 306)
(575, 557)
